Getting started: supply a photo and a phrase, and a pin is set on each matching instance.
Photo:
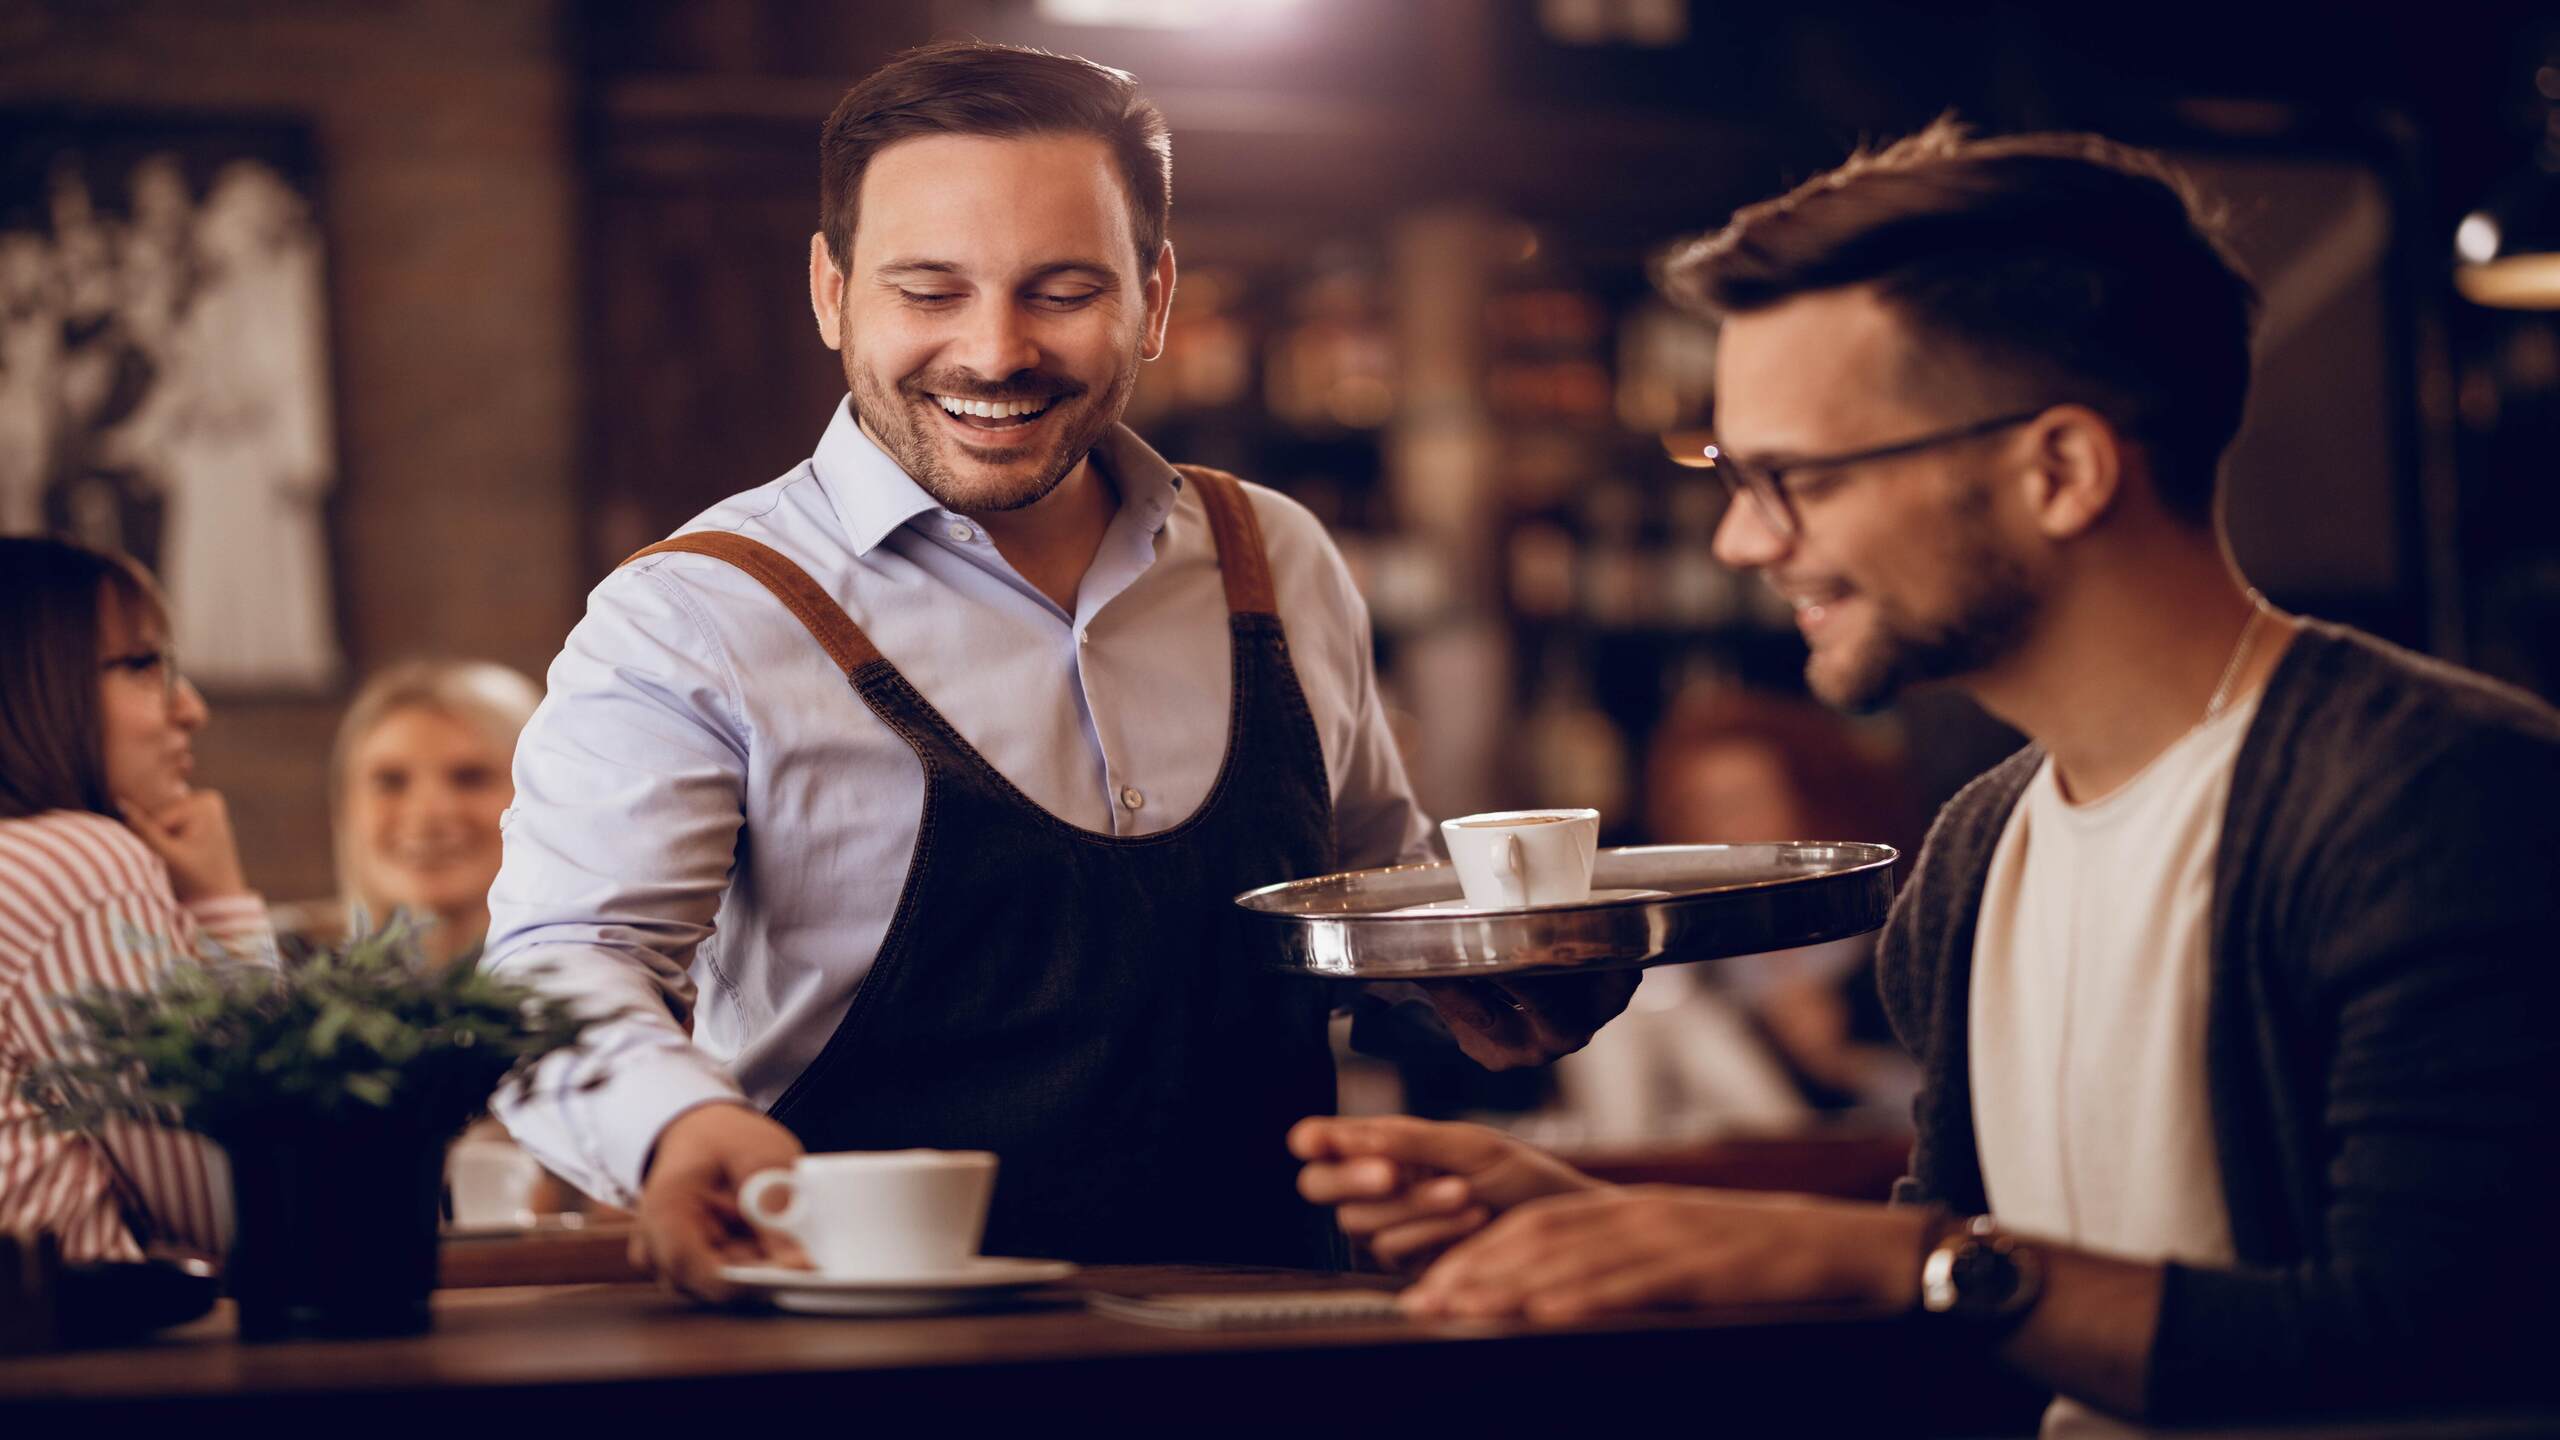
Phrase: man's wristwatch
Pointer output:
(1977, 1273)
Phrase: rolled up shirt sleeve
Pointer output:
(1380, 823)
(1377, 820)
(630, 795)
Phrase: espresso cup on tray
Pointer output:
(1507, 859)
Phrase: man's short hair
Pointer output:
(968, 87)
(2053, 267)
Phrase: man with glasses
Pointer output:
(2234, 992)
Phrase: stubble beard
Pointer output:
(892, 414)
(1991, 612)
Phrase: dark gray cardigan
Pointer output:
(2382, 1045)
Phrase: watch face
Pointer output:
(1985, 1277)
(1981, 1275)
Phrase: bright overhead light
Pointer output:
(1160, 14)
(2477, 241)
(2507, 252)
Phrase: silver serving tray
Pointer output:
(1707, 902)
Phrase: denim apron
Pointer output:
(1091, 1007)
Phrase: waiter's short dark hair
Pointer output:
(968, 87)
(2051, 267)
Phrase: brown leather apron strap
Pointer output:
(834, 630)
(1241, 558)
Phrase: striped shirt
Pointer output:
(83, 904)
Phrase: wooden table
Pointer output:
(625, 1354)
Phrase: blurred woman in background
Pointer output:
(1756, 1042)
(1730, 766)
(418, 780)
(113, 867)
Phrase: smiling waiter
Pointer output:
(901, 801)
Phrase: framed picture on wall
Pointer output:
(165, 373)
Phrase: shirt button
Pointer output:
(1130, 797)
(1084, 637)
(961, 532)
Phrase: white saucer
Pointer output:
(1460, 905)
(818, 1293)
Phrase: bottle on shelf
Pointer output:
(1619, 590)
(1666, 368)
(1333, 364)
(1573, 753)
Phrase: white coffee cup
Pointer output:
(1511, 858)
(491, 1182)
(878, 1212)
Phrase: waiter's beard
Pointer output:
(987, 479)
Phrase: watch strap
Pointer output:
(1979, 1273)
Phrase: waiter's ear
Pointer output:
(826, 292)
(1159, 303)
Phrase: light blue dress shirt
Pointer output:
(711, 830)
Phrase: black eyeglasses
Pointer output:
(1770, 489)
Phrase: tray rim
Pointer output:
(1882, 856)
(1847, 891)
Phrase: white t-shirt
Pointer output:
(2090, 970)
(2091, 967)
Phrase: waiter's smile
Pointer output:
(995, 414)
(981, 423)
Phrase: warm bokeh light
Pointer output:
(1688, 448)
(1162, 14)
(2522, 282)
(2477, 240)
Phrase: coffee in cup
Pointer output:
(1511, 858)
(884, 1213)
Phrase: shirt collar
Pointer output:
(871, 495)
(874, 498)
(1148, 485)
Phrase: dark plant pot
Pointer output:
(335, 1227)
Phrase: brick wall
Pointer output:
(444, 136)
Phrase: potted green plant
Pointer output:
(333, 1085)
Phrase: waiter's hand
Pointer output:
(1408, 1189)
(690, 1224)
(1505, 1024)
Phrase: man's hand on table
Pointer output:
(1408, 1189)
(1507, 1024)
(689, 1221)
(1615, 1250)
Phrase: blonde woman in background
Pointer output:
(417, 782)
(420, 775)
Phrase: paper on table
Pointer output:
(1248, 1311)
